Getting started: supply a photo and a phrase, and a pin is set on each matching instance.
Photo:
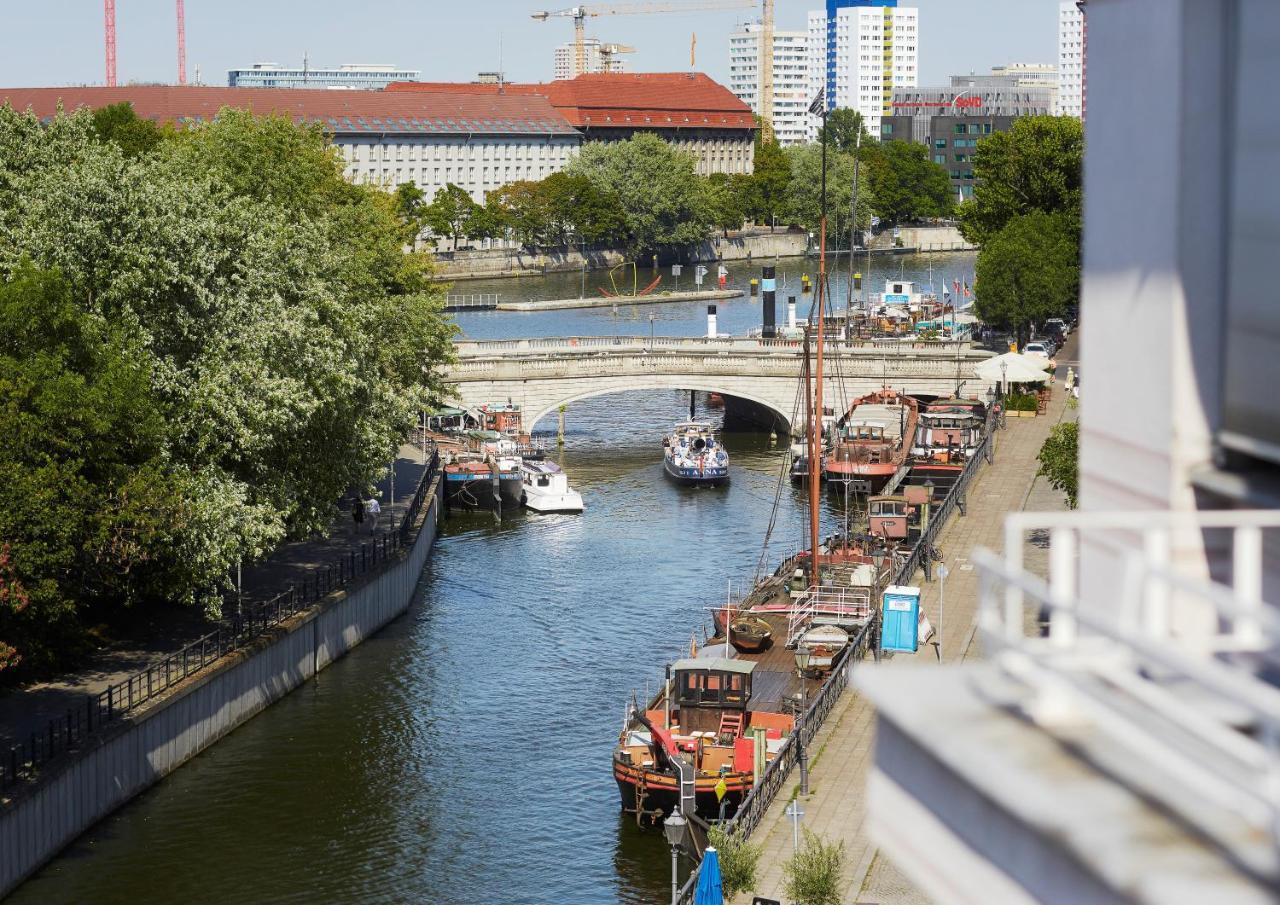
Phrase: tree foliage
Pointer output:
(661, 198)
(231, 336)
(905, 183)
(806, 190)
(767, 194)
(1035, 166)
(1027, 272)
(739, 861)
(450, 212)
(814, 874)
(1060, 459)
(118, 123)
(844, 128)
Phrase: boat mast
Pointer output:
(815, 427)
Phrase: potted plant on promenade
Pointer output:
(814, 874)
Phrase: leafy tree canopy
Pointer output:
(263, 343)
(905, 183)
(1035, 166)
(657, 187)
(134, 136)
(451, 211)
(1027, 272)
(806, 191)
(1060, 459)
(844, 126)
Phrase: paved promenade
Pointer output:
(29, 709)
(842, 752)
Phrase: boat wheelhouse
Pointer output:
(545, 488)
(873, 438)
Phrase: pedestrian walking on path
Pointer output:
(373, 509)
(357, 512)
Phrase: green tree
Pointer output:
(768, 196)
(657, 188)
(89, 504)
(286, 339)
(1035, 166)
(13, 603)
(905, 183)
(724, 202)
(1060, 459)
(814, 874)
(575, 206)
(844, 126)
(739, 861)
(523, 209)
(1027, 272)
(450, 211)
(806, 191)
(119, 123)
(410, 202)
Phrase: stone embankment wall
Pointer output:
(503, 262)
(929, 238)
(141, 749)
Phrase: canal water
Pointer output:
(463, 754)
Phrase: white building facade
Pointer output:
(791, 78)
(1071, 59)
(363, 76)
(859, 52)
(597, 57)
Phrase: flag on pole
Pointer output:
(956, 285)
(816, 107)
(966, 289)
(946, 293)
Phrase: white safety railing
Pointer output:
(1169, 664)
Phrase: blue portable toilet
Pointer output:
(900, 619)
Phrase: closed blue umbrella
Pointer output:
(709, 891)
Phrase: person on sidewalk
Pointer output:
(373, 509)
(357, 512)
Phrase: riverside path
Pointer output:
(28, 709)
(843, 751)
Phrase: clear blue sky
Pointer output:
(60, 42)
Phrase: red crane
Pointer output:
(182, 43)
(109, 14)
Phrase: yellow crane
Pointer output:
(579, 14)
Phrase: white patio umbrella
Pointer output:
(1013, 367)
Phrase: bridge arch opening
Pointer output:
(741, 412)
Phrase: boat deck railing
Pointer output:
(828, 604)
(1171, 660)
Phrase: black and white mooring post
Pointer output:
(711, 322)
(768, 296)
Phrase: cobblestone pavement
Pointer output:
(843, 749)
(29, 709)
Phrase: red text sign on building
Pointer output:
(958, 102)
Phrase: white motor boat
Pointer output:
(545, 488)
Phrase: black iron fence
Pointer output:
(68, 731)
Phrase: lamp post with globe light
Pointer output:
(673, 827)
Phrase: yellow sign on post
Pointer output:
(721, 788)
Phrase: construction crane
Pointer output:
(609, 51)
(182, 43)
(579, 15)
(109, 29)
(109, 36)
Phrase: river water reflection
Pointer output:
(462, 754)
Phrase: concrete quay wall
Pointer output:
(504, 262)
(143, 748)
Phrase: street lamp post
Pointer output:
(877, 562)
(652, 317)
(673, 828)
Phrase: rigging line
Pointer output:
(783, 476)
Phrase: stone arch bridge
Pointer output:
(540, 375)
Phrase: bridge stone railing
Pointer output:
(580, 344)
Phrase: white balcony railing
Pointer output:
(1196, 711)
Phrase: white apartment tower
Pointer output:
(859, 52)
(791, 95)
(597, 57)
(1071, 59)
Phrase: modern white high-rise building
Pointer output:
(791, 89)
(859, 52)
(597, 57)
(1071, 58)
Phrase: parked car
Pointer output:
(1057, 325)
(1037, 350)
